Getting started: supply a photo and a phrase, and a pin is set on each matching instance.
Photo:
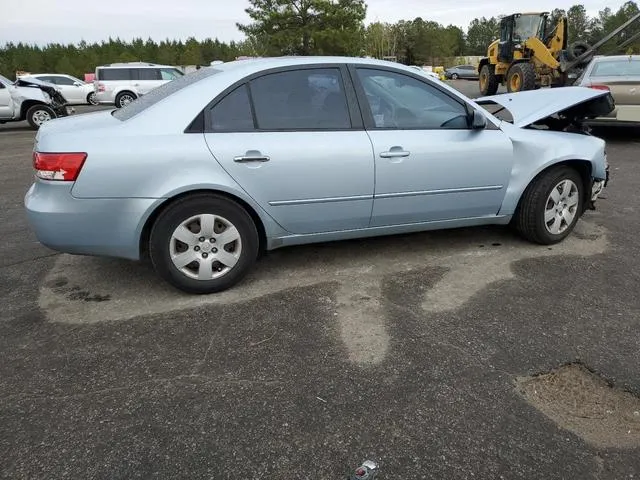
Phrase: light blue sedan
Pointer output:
(203, 173)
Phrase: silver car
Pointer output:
(619, 74)
(203, 173)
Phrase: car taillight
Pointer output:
(600, 87)
(101, 87)
(58, 166)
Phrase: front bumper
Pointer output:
(93, 226)
(597, 186)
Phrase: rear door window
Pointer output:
(114, 74)
(148, 74)
(62, 81)
(308, 99)
(233, 113)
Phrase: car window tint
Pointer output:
(148, 74)
(170, 73)
(400, 101)
(158, 94)
(233, 112)
(62, 80)
(615, 68)
(114, 74)
(634, 68)
(311, 99)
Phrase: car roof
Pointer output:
(255, 65)
(134, 65)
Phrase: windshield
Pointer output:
(5, 80)
(527, 26)
(159, 93)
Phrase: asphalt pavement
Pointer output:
(408, 350)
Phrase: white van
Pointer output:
(122, 83)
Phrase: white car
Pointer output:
(74, 90)
(31, 100)
(122, 83)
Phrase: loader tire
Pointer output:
(488, 80)
(578, 48)
(521, 77)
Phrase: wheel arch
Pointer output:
(145, 233)
(27, 104)
(583, 167)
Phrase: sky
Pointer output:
(70, 21)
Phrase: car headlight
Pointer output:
(46, 96)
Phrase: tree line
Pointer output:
(310, 27)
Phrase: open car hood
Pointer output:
(553, 107)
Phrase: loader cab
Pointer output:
(516, 28)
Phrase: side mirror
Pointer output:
(77, 84)
(478, 121)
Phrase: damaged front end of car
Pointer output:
(566, 109)
(49, 92)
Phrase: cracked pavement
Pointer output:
(403, 349)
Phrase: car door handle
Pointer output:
(395, 152)
(251, 157)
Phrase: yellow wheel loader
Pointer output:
(532, 52)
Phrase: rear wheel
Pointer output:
(550, 206)
(203, 243)
(521, 77)
(125, 98)
(488, 80)
(39, 114)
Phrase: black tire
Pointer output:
(488, 81)
(91, 99)
(527, 75)
(37, 115)
(529, 218)
(455, 76)
(185, 208)
(578, 48)
(124, 98)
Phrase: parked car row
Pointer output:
(114, 84)
(40, 97)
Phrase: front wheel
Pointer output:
(39, 114)
(521, 77)
(455, 76)
(550, 206)
(92, 99)
(203, 244)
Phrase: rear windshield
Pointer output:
(616, 68)
(157, 94)
(167, 73)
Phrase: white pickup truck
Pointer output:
(31, 100)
